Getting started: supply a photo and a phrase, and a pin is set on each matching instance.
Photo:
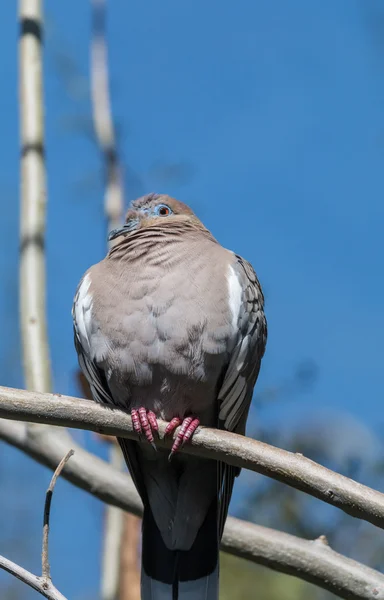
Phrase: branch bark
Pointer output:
(129, 583)
(113, 208)
(312, 560)
(33, 200)
(102, 116)
(45, 566)
(292, 469)
(46, 589)
(42, 584)
(309, 560)
(113, 538)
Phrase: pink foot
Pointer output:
(187, 429)
(144, 421)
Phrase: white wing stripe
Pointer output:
(235, 295)
(83, 313)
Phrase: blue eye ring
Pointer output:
(162, 210)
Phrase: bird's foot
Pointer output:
(187, 429)
(145, 422)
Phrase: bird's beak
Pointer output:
(126, 228)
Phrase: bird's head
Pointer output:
(151, 210)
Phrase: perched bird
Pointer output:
(171, 325)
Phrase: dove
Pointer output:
(171, 325)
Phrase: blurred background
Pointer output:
(268, 119)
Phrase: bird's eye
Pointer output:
(163, 210)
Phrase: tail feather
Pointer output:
(180, 574)
(205, 588)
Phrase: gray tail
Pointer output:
(180, 574)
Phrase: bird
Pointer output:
(171, 325)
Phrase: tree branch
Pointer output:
(129, 584)
(112, 539)
(305, 559)
(46, 589)
(42, 584)
(88, 472)
(292, 469)
(102, 117)
(45, 567)
(312, 560)
(113, 208)
(33, 200)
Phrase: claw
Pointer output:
(172, 425)
(191, 430)
(136, 421)
(145, 422)
(187, 429)
(145, 425)
(153, 421)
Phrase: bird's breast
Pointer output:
(169, 328)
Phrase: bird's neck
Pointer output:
(165, 240)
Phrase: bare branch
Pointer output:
(45, 568)
(33, 200)
(112, 540)
(102, 116)
(313, 561)
(129, 585)
(88, 472)
(292, 469)
(113, 208)
(42, 584)
(33, 324)
(45, 588)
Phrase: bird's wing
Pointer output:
(236, 391)
(83, 326)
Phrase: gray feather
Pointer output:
(236, 392)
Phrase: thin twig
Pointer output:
(310, 560)
(33, 200)
(292, 469)
(46, 570)
(42, 584)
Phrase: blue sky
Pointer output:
(274, 113)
